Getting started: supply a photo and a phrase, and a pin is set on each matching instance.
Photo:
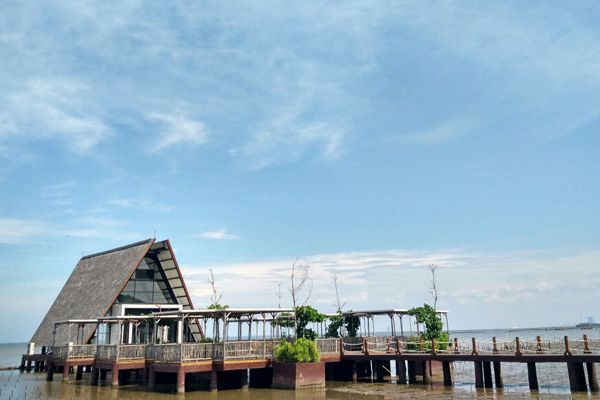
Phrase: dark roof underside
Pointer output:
(96, 281)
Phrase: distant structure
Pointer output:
(132, 280)
(591, 320)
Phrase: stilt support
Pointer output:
(498, 375)
(593, 377)
(79, 374)
(532, 375)
(65, 375)
(412, 372)
(401, 371)
(576, 377)
(95, 376)
(151, 377)
(213, 381)
(478, 374)
(50, 372)
(487, 374)
(354, 372)
(181, 380)
(114, 375)
(426, 371)
(447, 369)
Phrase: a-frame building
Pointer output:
(131, 280)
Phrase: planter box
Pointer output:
(297, 376)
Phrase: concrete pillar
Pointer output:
(114, 375)
(426, 371)
(65, 375)
(145, 372)
(487, 374)
(102, 375)
(412, 372)
(213, 381)
(576, 377)
(50, 372)
(79, 373)
(95, 376)
(401, 372)
(354, 373)
(244, 379)
(181, 380)
(478, 374)
(447, 369)
(498, 375)
(532, 375)
(592, 377)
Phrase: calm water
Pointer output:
(553, 381)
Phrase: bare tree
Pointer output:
(339, 305)
(300, 281)
(433, 289)
(214, 298)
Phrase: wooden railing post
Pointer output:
(567, 348)
(586, 345)
(398, 346)
(433, 349)
(495, 351)
(387, 342)
(518, 349)
(341, 345)
(365, 346)
(538, 346)
(422, 345)
(456, 346)
(475, 352)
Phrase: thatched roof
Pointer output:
(94, 285)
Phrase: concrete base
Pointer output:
(296, 376)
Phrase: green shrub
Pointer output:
(301, 351)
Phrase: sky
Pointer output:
(369, 139)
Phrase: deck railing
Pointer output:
(123, 352)
(328, 346)
(76, 351)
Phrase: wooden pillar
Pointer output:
(114, 375)
(50, 372)
(378, 371)
(213, 381)
(22, 366)
(401, 372)
(592, 377)
(447, 369)
(244, 379)
(145, 372)
(532, 375)
(576, 377)
(426, 371)
(151, 377)
(36, 366)
(180, 380)
(28, 364)
(79, 373)
(354, 373)
(412, 372)
(103, 375)
(65, 376)
(478, 374)
(487, 374)
(95, 376)
(498, 375)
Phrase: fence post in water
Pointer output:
(518, 349)
(498, 375)
(576, 377)
(592, 377)
(567, 349)
(478, 374)
(447, 370)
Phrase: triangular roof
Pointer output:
(97, 281)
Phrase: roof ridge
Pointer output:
(116, 249)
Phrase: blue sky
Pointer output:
(371, 138)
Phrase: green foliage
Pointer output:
(429, 317)
(288, 323)
(217, 307)
(441, 343)
(333, 329)
(207, 340)
(300, 351)
(305, 315)
(352, 323)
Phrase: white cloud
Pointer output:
(179, 130)
(19, 231)
(220, 234)
(444, 132)
(54, 109)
